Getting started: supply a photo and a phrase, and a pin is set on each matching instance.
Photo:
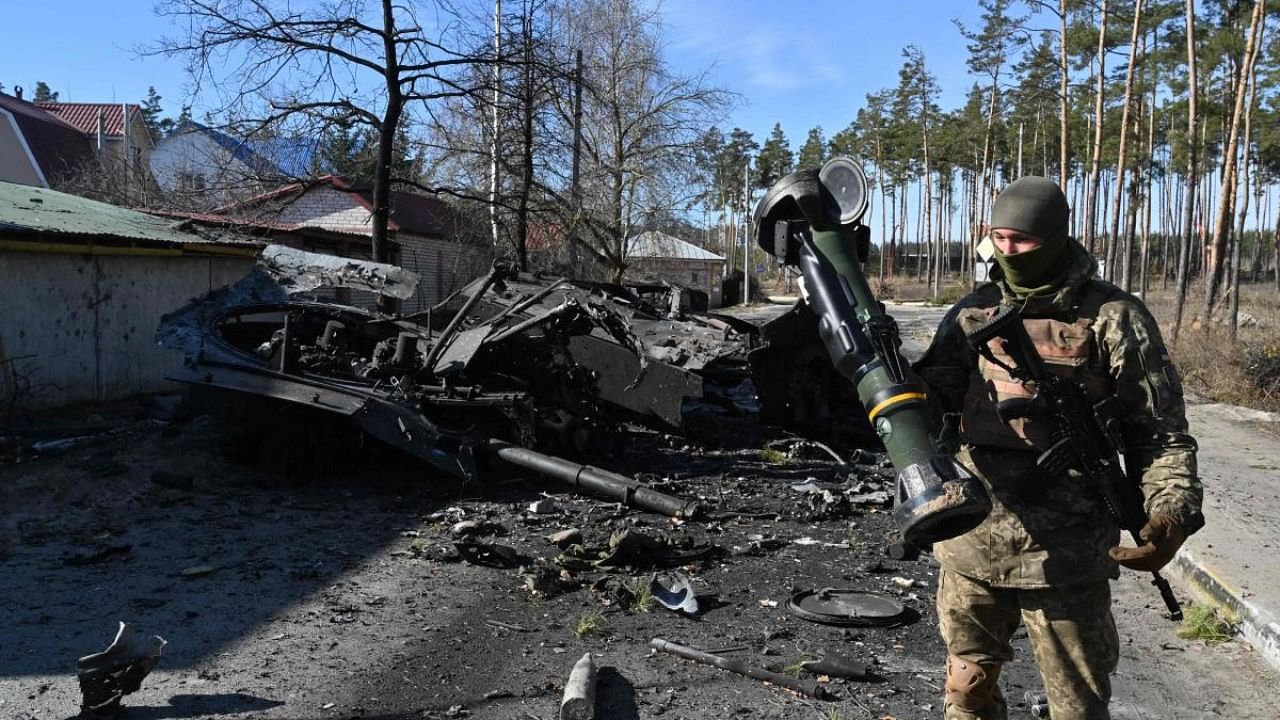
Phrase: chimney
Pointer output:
(17, 91)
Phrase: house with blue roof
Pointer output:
(211, 168)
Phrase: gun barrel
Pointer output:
(597, 481)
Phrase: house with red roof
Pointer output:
(118, 135)
(331, 215)
(37, 147)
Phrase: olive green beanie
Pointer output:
(1035, 206)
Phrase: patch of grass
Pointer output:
(590, 624)
(833, 713)
(1245, 371)
(641, 594)
(796, 669)
(775, 457)
(1207, 624)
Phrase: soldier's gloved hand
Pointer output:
(1163, 536)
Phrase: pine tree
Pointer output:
(775, 159)
(43, 93)
(151, 115)
(814, 151)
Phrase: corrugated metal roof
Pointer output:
(653, 244)
(25, 210)
(84, 116)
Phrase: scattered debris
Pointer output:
(806, 540)
(489, 554)
(857, 608)
(505, 625)
(678, 595)
(545, 506)
(467, 528)
(108, 676)
(631, 548)
(834, 665)
(579, 702)
(543, 581)
(565, 538)
(198, 571)
(813, 690)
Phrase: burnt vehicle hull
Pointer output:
(549, 364)
(665, 366)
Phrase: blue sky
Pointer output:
(811, 63)
(800, 63)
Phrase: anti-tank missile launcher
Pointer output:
(811, 219)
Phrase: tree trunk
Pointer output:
(380, 246)
(1222, 221)
(1095, 160)
(1188, 206)
(1275, 253)
(981, 213)
(494, 128)
(526, 136)
(1124, 138)
(883, 213)
(1252, 80)
(1064, 108)
(928, 208)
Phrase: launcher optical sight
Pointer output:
(810, 219)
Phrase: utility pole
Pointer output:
(493, 145)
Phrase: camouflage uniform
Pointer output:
(1041, 556)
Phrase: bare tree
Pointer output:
(344, 64)
(641, 123)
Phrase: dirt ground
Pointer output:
(335, 596)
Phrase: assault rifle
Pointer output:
(1086, 437)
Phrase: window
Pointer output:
(191, 182)
(695, 277)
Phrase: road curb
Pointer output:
(1258, 625)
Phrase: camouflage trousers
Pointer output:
(1072, 634)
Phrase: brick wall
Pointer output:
(327, 207)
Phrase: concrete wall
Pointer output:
(88, 323)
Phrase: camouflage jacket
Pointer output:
(1046, 531)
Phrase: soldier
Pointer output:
(1046, 553)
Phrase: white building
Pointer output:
(658, 256)
(213, 168)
